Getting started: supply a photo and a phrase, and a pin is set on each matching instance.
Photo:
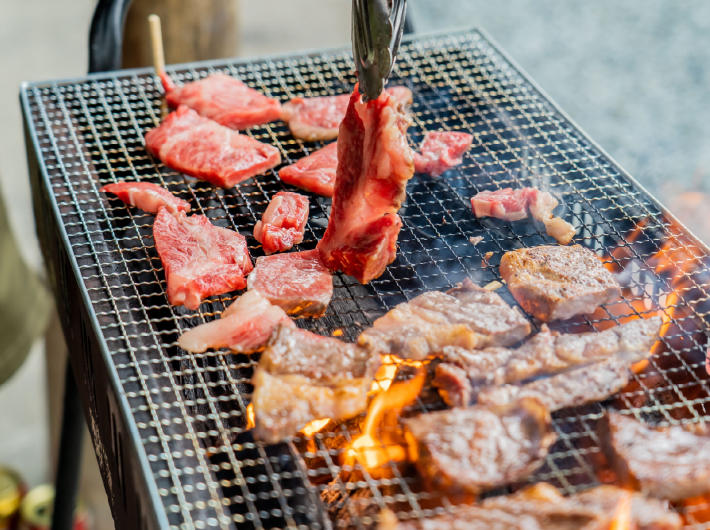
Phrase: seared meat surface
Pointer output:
(551, 282)
(480, 448)
(465, 316)
(464, 518)
(146, 196)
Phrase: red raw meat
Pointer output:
(146, 196)
(297, 282)
(224, 99)
(199, 259)
(245, 327)
(202, 148)
(319, 118)
(283, 222)
(374, 165)
(441, 150)
(315, 172)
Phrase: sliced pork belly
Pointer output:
(199, 259)
(303, 377)
(146, 196)
(283, 223)
(224, 99)
(552, 282)
(374, 165)
(513, 205)
(544, 354)
(202, 148)
(441, 150)
(297, 282)
(665, 462)
(245, 327)
(466, 316)
(315, 172)
(480, 448)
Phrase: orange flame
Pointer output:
(622, 516)
(388, 369)
(315, 426)
(250, 416)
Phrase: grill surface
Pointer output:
(189, 411)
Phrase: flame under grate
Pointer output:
(191, 410)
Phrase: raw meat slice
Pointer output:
(315, 172)
(374, 165)
(296, 282)
(441, 150)
(146, 196)
(513, 205)
(303, 377)
(199, 259)
(466, 316)
(319, 118)
(224, 99)
(202, 148)
(479, 448)
(245, 326)
(552, 282)
(283, 222)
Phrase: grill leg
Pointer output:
(68, 462)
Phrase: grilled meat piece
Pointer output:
(665, 462)
(297, 282)
(146, 196)
(557, 282)
(544, 354)
(283, 223)
(466, 316)
(480, 448)
(315, 172)
(464, 518)
(303, 377)
(440, 151)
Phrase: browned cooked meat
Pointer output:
(544, 354)
(480, 448)
(302, 377)
(464, 518)
(466, 316)
(666, 462)
(551, 282)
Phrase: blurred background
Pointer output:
(634, 74)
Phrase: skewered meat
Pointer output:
(146, 196)
(202, 148)
(315, 172)
(480, 448)
(319, 118)
(224, 99)
(440, 151)
(466, 316)
(245, 326)
(302, 377)
(283, 222)
(666, 462)
(374, 165)
(462, 370)
(199, 259)
(552, 282)
(513, 205)
(297, 282)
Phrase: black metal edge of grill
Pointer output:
(131, 488)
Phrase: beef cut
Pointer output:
(283, 223)
(440, 151)
(315, 172)
(146, 196)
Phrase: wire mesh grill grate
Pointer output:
(191, 410)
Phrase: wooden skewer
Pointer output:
(156, 37)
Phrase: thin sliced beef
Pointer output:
(464, 518)
(245, 327)
(466, 316)
(297, 282)
(441, 150)
(303, 377)
(374, 165)
(224, 99)
(202, 148)
(199, 259)
(315, 172)
(551, 282)
(146, 196)
(283, 223)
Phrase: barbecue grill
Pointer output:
(171, 429)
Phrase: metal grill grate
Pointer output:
(190, 410)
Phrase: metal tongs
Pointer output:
(377, 31)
